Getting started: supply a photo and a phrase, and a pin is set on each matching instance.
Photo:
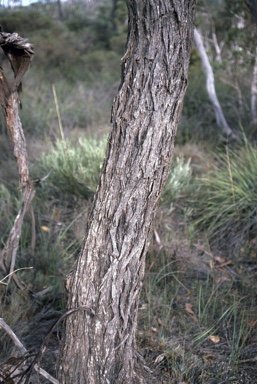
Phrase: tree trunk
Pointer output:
(99, 345)
(210, 85)
(113, 15)
(254, 91)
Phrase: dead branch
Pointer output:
(34, 364)
(19, 53)
(24, 351)
(47, 338)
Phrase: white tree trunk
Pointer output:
(217, 47)
(210, 85)
(254, 91)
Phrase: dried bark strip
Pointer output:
(101, 349)
(20, 54)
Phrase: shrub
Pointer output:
(225, 200)
(75, 169)
(102, 65)
(23, 21)
(178, 181)
(80, 107)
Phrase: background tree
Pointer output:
(210, 85)
(252, 4)
(99, 344)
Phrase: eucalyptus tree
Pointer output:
(99, 343)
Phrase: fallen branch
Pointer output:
(34, 364)
(24, 351)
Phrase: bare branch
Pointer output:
(20, 53)
(24, 351)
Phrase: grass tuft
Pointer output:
(225, 199)
(75, 168)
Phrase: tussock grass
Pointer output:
(74, 167)
(225, 199)
(195, 329)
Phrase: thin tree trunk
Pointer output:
(99, 345)
(113, 15)
(254, 91)
(210, 85)
(216, 46)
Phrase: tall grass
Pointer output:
(225, 199)
(75, 168)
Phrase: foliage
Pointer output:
(101, 65)
(198, 325)
(225, 199)
(178, 181)
(75, 168)
(80, 107)
(24, 21)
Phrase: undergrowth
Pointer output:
(224, 200)
(197, 314)
(74, 167)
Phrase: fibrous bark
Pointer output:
(101, 348)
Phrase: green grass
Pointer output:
(75, 167)
(224, 201)
(181, 313)
(178, 182)
(188, 296)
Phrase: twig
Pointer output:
(10, 250)
(33, 231)
(47, 338)
(16, 270)
(24, 351)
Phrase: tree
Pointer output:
(252, 4)
(210, 85)
(99, 343)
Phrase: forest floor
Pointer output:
(197, 316)
(198, 320)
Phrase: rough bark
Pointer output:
(99, 345)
